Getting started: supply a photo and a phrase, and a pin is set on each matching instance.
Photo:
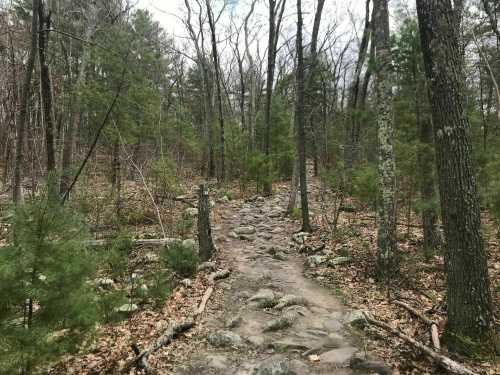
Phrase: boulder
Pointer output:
(191, 212)
(190, 244)
(338, 261)
(356, 318)
(128, 308)
(339, 357)
(275, 365)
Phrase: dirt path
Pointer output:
(252, 335)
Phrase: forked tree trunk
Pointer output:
(387, 263)
(205, 241)
(23, 107)
(470, 313)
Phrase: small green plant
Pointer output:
(181, 259)
(164, 174)
(365, 185)
(296, 213)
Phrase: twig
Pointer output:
(204, 300)
(445, 362)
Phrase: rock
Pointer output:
(265, 236)
(190, 244)
(356, 318)
(280, 256)
(105, 283)
(233, 235)
(217, 362)
(378, 367)
(263, 294)
(300, 238)
(299, 368)
(127, 308)
(290, 300)
(246, 237)
(191, 212)
(275, 365)
(256, 340)
(338, 261)
(284, 321)
(314, 261)
(290, 344)
(274, 214)
(339, 357)
(335, 341)
(207, 266)
(248, 229)
(224, 339)
(234, 322)
(186, 283)
(332, 325)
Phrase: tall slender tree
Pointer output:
(387, 246)
(23, 106)
(470, 315)
(276, 10)
(300, 118)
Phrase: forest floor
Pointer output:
(243, 331)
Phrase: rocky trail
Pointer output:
(272, 320)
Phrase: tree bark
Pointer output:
(387, 263)
(300, 115)
(204, 229)
(470, 314)
(23, 107)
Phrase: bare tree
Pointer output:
(276, 10)
(300, 116)
(23, 106)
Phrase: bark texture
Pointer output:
(468, 295)
(204, 230)
(386, 241)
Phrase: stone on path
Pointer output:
(339, 357)
(245, 230)
(338, 261)
(315, 261)
(356, 318)
(284, 321)
(224, 339)
(275, 365)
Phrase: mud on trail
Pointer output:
(270, 318)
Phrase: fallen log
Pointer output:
(143, 242)
(141, 360)
(446, 363)
(185, 200)
(431, 323)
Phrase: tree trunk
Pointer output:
(76, 118)
(215, 56)
(274, 29)
(205, 241)
(470, 315)
(23, 107)
(351, 145)
(46, 90)
(425, 160)
(387, 263)
(300, 115)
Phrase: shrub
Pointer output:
(365, 185)
(181, 259)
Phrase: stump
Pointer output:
(204, 230)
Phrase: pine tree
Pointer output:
(46, 301)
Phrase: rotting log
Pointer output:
(143, 242)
